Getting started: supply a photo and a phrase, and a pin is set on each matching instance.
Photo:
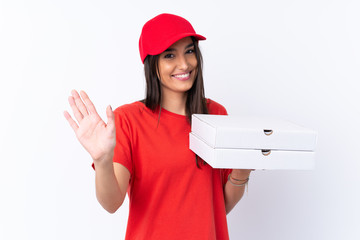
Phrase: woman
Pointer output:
(144, 147)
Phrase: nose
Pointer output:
(183, 63)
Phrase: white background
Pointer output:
(296, 60)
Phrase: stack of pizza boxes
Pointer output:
(240, 142)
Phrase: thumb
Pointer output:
(110, 117)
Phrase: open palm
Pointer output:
(97, 137)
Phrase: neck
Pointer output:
(174, 102)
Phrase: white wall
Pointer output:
(297, 60)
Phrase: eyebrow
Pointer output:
(173, 49)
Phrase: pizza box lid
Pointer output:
(249, 132)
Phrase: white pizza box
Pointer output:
(248, 132)
(251, 158)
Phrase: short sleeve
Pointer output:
(123, 147)
(225, 174)
(216, 108)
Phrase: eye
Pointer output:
(190, 51)
(169, 55)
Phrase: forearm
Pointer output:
(108, 191)
(233, 193)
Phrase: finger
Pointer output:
(78, 115)
(110, 117)
(71, 121)
(79, 103)
(89, 105)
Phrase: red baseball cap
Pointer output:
(162, 31)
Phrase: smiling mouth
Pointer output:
(183, 76)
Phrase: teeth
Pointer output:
(182, 75)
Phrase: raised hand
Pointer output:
(97, 137)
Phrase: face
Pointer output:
(178, 67)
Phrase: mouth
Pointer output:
(182, 76)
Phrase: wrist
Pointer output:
(105, 161)
(240, 174)
(237, 182)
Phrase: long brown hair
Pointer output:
(195, 102)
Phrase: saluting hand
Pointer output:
(97, 137)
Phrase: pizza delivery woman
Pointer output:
(143, 149)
